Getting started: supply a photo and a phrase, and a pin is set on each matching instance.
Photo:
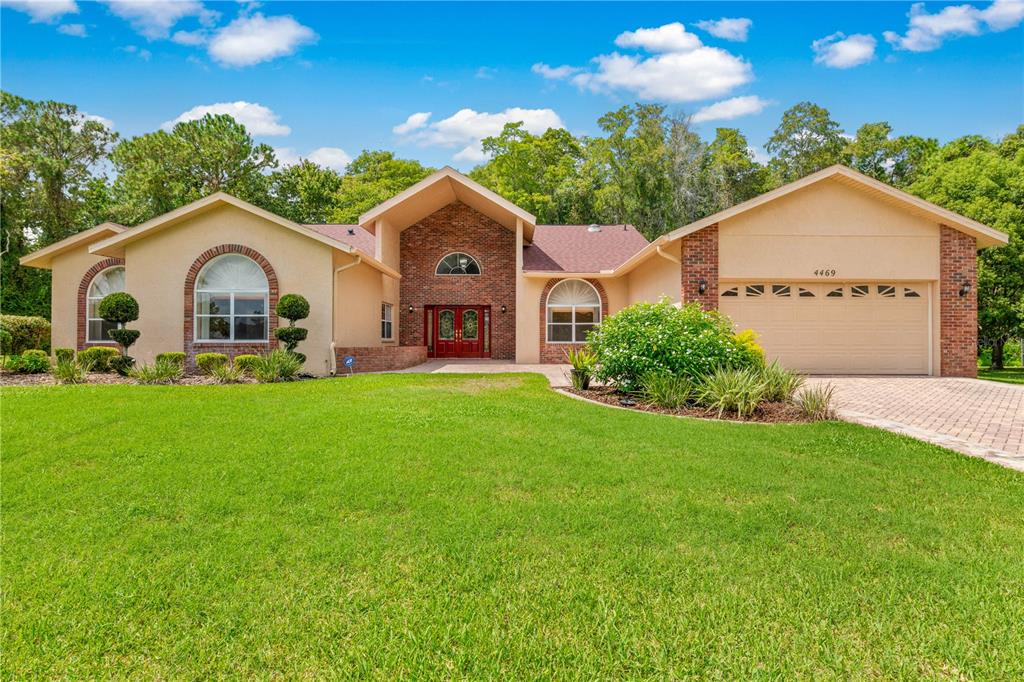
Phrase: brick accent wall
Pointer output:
(380, 358)
(699, 253)
(554, 353)
(958, 315)
(457, 227)
(230, 349)
(83, 302)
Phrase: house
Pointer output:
(838, 272)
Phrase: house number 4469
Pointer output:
(827, 272)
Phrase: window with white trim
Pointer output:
(573, 309)
(386, 328)
(232, 300)
(106, 282)
(457, 263)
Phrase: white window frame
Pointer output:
(196, 315)
(387, 322)
(574, 324)
(89, 298)
(458, 274)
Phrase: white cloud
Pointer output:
(99, 119)
(253, 39)
(466, 128)
(926, 32)
(43, 11)
(257, 119)
(190, 38)
(335, 158)
(154, 19)
(682, 68)
(843, 52)
(727, 29)
(486, 72)
(555, 72)
(134, 49)
(77, 30)
(728, 109)
(414, 122)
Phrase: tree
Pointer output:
(985, 181)
(806, 141)
(121, 308)
(897, 161)
(292, 307)
(305, 192)
(734, 174)
(373, 177)
(158, 172)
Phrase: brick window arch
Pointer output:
(555, 352)
(82, 336)
(230, 348)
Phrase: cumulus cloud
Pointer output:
(154, 19)
(727, 29)
(328, 157)
(555, 72)
(926, 31)
(728, 109)
(466, 128)
(257, 119)
(84, 116)
(77, 30)
(190, 38)
(43, 12)
(253, 39)
(840, 51)
(680, 68)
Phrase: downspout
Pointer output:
(334, 287)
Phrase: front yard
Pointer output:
(487, 527)
(1010, 375)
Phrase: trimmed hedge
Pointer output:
(293, 307)
(205, 362)
(246, 362)
(177, 357)
(64, 354)
(98, 357)
(120, 307)
(22, 333)
(33, 361)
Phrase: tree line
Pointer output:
(62, 172)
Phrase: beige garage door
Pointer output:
(835, 327)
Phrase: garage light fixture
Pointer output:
(410, 307)
(702, 286)
(965, 289)
(504, 309)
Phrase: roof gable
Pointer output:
(581, 248)
(44, 256)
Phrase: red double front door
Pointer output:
(458, 331)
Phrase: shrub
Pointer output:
(125, 337)
(160, 372)
(292, 307)
(121, 308)
(583, 362)
(23, 333)
(661, 338)
(176, 357)
(122, 364)
(780, 384)
(64, 354)
(98, 358)
(69, 371)
(245, 362)
(733, 390)
(278, 365)
(227, 374)
(205, 362)
(33, 361)
(747, 341)
(665, 390)
(815, 402)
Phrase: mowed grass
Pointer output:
(1010, 375)
(487, 527)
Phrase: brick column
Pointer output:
(958, 315)
(699, 253)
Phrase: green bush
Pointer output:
(780, 384)
(733, 390)
(122, 364)
(661, 338)
(278, 365)
(64, 354)
(176, 357)
(815, 402)
(163, 371)
(747, 341)
(67, 371)
(23, 333)
(293, 307)
(125, 337)
(246, 362)
(291, 336)
(227, 374)
(666, 390)
(98, 358)
(32, 361)
(205, 362)
(120, 307)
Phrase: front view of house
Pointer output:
(837, 272)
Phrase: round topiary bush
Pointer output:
(246, 362)
(120, 307)
(97, 358)
(206, 362)
(293, 307)
(177, 357)
(664, 339)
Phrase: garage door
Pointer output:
(835, 327)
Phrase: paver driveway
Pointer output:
(979, 418)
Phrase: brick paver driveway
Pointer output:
(979, 418)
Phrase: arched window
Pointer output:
(232, 300)
(457, 263)
(574, 308)
(108, 281)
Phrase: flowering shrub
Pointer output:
(661, 338)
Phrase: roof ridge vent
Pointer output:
(351, 231)
(593, 227)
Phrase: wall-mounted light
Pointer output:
(410, 307)
(504, 309)
(965, 288)
(702, 286)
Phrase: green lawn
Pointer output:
(441, 526)
(1010, 375)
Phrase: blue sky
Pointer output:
(326, 80)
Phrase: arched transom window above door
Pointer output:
(573, 309)
(457, 263)
(106, 282)
(232, 300)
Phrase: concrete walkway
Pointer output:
(556, 374)
(978, 418)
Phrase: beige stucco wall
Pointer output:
(656, 277)
(68, 270)
(157, 265)
(358, 293)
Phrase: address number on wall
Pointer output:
(827, 272)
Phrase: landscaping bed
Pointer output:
(767, 412)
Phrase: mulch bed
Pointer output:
(767, 413)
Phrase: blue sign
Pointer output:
(349, 361)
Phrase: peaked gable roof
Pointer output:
(581, 248)
(985, 235)
(440, 189)
(44, 256)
